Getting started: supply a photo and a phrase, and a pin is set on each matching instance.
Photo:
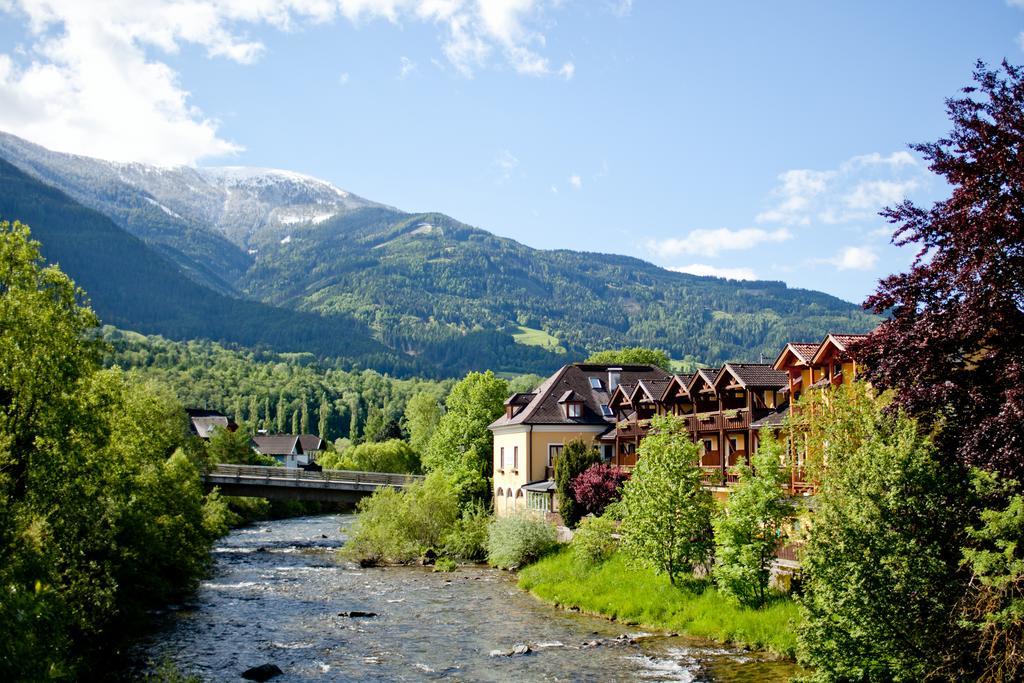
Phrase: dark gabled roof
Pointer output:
(771, 420)
(519, 399)
(572, 383)
(653, 388)
(310, 442)
(706, 375)
(802, 351)
(754, 375)
(277, 444)
(681, 381)
(839, 341)
(622, 393)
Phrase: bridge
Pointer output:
(288, 483)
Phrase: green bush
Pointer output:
(467, 539)
(399, 526)
(445, 564)
(516, 541)
(595, 540)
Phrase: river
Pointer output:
(277, 591)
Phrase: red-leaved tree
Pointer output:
(953, 346)
(598, 486)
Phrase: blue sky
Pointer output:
(746, 138)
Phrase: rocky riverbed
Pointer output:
(279, 595)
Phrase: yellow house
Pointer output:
(571, 404)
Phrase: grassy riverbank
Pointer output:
(620, 591)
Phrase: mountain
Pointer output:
(202, 219)
(131, 285)
(442, 294)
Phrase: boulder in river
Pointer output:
(263, 672)
(357, 614)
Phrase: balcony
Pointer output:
(629, 429)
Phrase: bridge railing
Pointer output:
(325, 476)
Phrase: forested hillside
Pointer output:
(131, 285)
(404, 293)
(266, 390)
(429, 285)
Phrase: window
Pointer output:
(573, 409)
(554, 450)
(734, 445)
(515, 457)
(707, 446)
(538, 501)
(606, 410)
(595, 383)
(501, 459)
(837, 368)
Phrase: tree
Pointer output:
(882, 559)
(575, 458)
(632, 355)
(295, 422)
(668, 512)
(994, 604)
(952, 346)
(394, 456)
(282, 414)
(748, 530)
(230, 447)
(598, 486)
(254, 413)
(323, 417)
(462, 446)
(422, 415)
(43, 354)
(304, 419)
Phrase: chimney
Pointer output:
(613, 378)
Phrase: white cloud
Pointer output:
(853, 258)
(405, 67)
(856, 190)
(91, 81)
(576, 181)
(714, 271)
(872, 194)
(554, 189)
(343, 78)
(506, 163)
(713, 242)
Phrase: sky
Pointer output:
(738, 139)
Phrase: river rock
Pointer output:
(263, 672)
(357, 614)
(521, 649)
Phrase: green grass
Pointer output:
(531, 337)
(634, 595)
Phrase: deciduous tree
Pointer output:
(668, 512)
(952, 346)
(598, 486)
(632, 355)
(882, 560)
(748, 530)
(462, 446)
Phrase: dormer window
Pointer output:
(573, 409)
(613, 378)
